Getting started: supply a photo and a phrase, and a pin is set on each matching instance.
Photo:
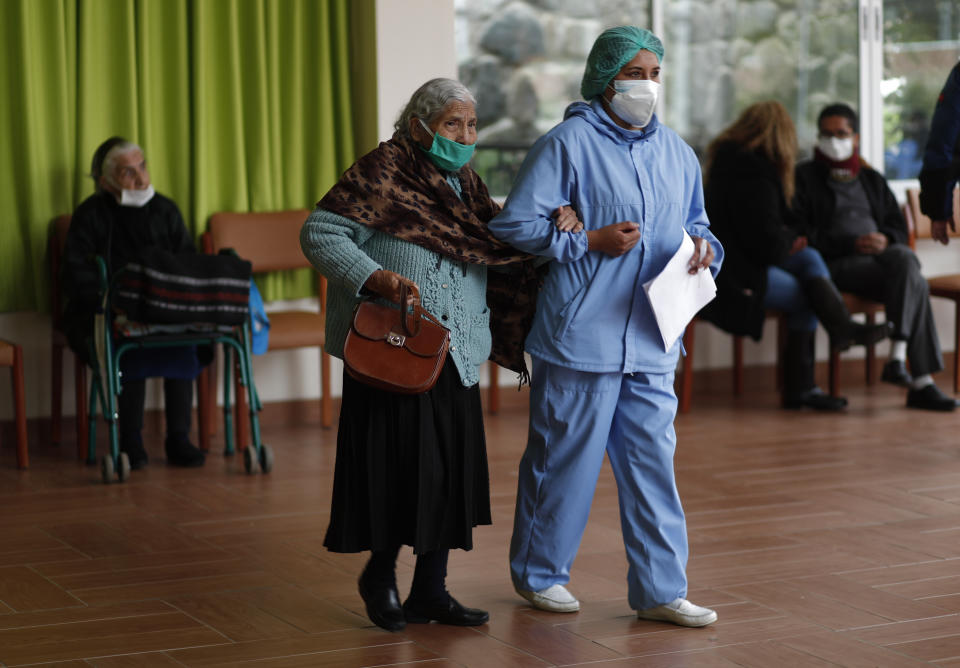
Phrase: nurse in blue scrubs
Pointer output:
(602, 381)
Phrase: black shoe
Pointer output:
(450, 612)
(137, 456)
(383, 606)
(184, 453)
(930, 398)
(827, 302)
(895, 372)
(816, 399)
(860, 334)
(867, 335)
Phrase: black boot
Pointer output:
(130, 422)
(799, 388)
(378, 589)
(827, 303)
(181, 452)
(429, 599)
(178, 399)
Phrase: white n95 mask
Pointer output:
(635, 100)
(835, 148)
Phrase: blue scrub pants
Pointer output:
(576, 417)
(785, 287)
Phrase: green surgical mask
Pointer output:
(445, 153)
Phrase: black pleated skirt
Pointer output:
(410, 469)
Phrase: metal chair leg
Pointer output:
(228, 445)
(83, 416)
(96, 394)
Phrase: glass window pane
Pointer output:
(921, 42)
(723, 55)
(523, 60)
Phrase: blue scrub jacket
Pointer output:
(592, 313)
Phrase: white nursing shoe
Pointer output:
(554, 598)
(680, 611)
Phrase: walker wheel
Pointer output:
(106, 469)
(250, 459)
(266, 458)
(123, 471)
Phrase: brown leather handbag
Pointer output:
(396, 350)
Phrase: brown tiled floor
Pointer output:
(821, 540)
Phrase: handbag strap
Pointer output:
(410, 319)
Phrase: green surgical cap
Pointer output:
(614, 48)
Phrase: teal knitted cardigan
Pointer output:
(454, 292)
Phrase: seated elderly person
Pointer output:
(123, 217)
(851, 216)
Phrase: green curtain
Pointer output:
(240, 105)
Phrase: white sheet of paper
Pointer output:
(677, 295)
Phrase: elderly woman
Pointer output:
(749, 182)
(602, 381)
(412, 469)
(124, 217)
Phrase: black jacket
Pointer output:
(815, 203)
(941, 158)
(749, 214)
(100, 226)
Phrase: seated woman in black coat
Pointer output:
(748, 184)
(123, 217)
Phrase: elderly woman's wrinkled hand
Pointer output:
(566, 220)
(387, 284)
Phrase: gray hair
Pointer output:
(110, 159)
(429, 100)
